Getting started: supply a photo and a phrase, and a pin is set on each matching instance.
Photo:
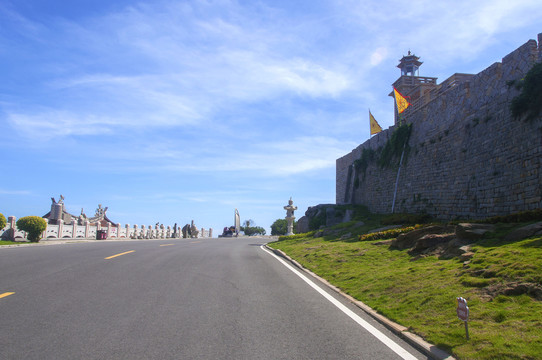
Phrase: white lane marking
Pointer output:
(371, 329)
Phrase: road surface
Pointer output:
(223, 298)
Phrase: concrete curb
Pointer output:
(413, 339)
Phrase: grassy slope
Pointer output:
(421, 293)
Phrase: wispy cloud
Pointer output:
(15, 192)
(234, 102)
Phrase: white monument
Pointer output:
(290, 216)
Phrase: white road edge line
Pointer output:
(371, 329)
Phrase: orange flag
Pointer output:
(375, 127)
(400, 100)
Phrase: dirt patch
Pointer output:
(534, 290)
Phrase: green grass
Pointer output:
(420, 293)
(3, 242)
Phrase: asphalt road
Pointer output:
(174, 299)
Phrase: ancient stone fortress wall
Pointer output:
(468, 158)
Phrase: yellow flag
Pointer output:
(400, 100)
(375, 128)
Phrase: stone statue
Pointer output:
(290, 216)
(186, 231)
(100, 212)
(194, 230)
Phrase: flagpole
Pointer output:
(397, 178)
(399, 111)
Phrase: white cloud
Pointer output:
(379, 55)
(51, 124)
(15, 192)
(171, 65)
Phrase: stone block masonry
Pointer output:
(468, 158)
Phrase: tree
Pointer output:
(254, 230)
(3, 221)
(33, 225)
(248, 223)
(280, 227)
(249, 230)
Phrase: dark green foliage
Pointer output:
(387, 234)
(254, 230)
(524, 216)
(367, 155)
(356, 181)
(297, 236)
(3, 221)
(529, 102)
(280, 227)
(316, 222)
(406, 219)
(394, 146)
(33, 225)
(385, 156)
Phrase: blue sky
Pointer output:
(172, 111)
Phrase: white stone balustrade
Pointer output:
(87, 231)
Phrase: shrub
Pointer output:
(33, 225)
(524, 216)
(406, 219)
(280, 227)
(297, 236)
(3, 221)
(318, 221)
(388, 234)
(254, 230)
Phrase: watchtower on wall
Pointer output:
(470, 158)
(411, 84)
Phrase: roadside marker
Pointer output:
(124, 253)
(6, 294)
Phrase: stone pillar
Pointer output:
(11, 226)
(128, 235)
(60, 223)
(210, 232)
(87, 229)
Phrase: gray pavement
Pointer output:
(172, 299)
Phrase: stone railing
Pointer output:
(87, 231)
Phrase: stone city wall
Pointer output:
(468, 158)
(87, 231)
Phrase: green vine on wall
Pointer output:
(360, 165)
(387, 156)
(394, 146)
(529, 102)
